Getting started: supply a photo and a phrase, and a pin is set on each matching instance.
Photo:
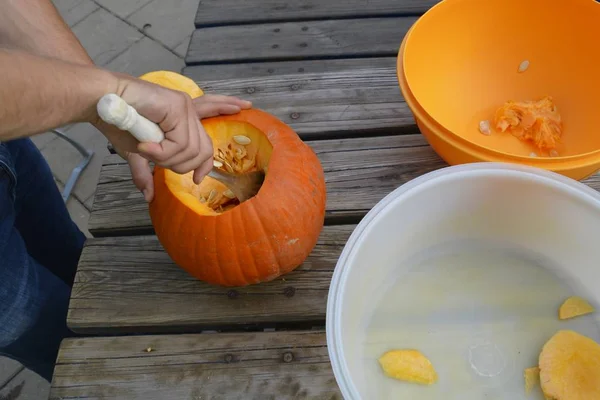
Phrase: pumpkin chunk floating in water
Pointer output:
(570, 367)
(208, 232)
(574, 307)
(408, 365)
(536, 121)
(532, 378)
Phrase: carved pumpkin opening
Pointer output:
(238, 147)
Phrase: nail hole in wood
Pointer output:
(295, 87)
(250, 90)
(276, 30)
(232, 294)
(303, 45)
(304, 28)
(275, 46)
(289, 291)
(295, 115)
(229, 358)
(288, 357)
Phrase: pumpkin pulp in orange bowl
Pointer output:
(217, 239)
(464, 60)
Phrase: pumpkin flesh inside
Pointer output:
(212, 197)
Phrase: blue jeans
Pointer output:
(39, 249)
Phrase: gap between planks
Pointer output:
(210, 12)
(329, 39)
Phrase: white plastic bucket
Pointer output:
(468, 265)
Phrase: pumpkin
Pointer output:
(217, 239)
(174, 81)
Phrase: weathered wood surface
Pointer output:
(248, 366)
(216, 72)
(357, 102)
(358, 173)
(130, 284)
(369, 37)
(230, 12)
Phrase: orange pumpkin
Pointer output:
(206, 231)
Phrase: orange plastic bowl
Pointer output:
(459, 63)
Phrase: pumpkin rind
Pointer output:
(260, 239)
(174, 81)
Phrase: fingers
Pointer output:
(142, 175)
(122, 141)
(202, 171)
(186, 147)
(213, 109)
(219, 98)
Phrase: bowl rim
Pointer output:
(333, 331)
(401, 75)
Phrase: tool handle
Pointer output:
(113, 110)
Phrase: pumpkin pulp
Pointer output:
(212, 197)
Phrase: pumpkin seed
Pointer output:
(532, 154)
(202, 199)
(523, 66)
(229, 194)
(484, 127)
(241, 139)
(228, 167)
(247, 165)
(553, 153)
(217, 163)
(212, 195)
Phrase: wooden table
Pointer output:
(327, 68)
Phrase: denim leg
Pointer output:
(34, 297)
(42, 218)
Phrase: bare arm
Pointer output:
(36, 26)
(39, 93)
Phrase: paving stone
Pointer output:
(41, 140)
(78, 212)
(170, 21)
(182, 49)
(63, 157)
(123, 8)
(89, 203)
(105, 36)
(74, 11)
(145, 56)
(8, 369)
(27, 385)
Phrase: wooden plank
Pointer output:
(215, 72)
(131, 285)
(374, 37)
(249, 366)
(322, 105)
(211, 12)
(358, 172)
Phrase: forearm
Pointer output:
(39, 93)
(36, 26)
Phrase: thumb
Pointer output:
(142, 175)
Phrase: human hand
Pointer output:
(138, 154)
